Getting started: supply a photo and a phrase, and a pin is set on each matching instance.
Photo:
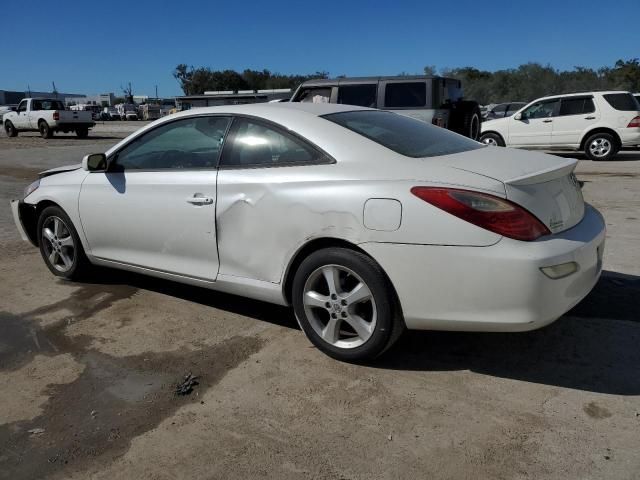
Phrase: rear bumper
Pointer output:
(73, 125)
(494, 288)
(629, 136)
(24, 218)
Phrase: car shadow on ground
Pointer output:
(594, 347)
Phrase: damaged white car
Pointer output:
(366, 222)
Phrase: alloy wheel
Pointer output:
(600, 147)
(339, 306)
(490, 141)
(58, 244)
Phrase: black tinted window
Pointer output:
(403, 95)
(360, 95)
(189, 143)
(23, 106)
(576, 106)
(402, 134)
(500, 108)
(622, 101)
(255, 144)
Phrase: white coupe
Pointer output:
(365, 221)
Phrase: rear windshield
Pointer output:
(622, 101)
(402, 134)
(47, 105)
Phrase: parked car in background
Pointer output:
(47, 116)
(435, 100)
(502, 110)
(598, 123)
(5, 109)
(149, 111)
(365, 221)
(110, 113)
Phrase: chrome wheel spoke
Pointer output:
(362, 327)
(57, 227)
(66, 241)
(359, 293)
(53, 256)
(332, 277)
(65, 259)
(315, 299)
(48, 234)
(331, 332)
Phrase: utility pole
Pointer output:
(156, 92)
(29, 90)
(54, 91)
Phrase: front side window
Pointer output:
(624, 102)
(194, 142)
(314, 95)
(404, 135)
(252, 143)
(576, 106)
(405, 95)
(513, 108)
(22, 107)
(360, 95)
(543, 109)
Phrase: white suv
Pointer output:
(600, 123)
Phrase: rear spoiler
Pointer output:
(545, 175)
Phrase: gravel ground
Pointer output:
(89, 372)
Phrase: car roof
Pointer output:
(581, 94)
(261, 109)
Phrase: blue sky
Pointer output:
(94, 47)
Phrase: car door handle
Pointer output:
(200, 200)
(547, 121)
(589, 118)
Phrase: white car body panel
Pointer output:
(448, 273)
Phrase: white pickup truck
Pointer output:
(46, 116)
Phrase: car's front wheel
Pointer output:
(10, 130)
(60, 245)
(492, 139)
(346, 305)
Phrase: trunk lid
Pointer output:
(543, 184)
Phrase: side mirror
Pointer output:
(517, 116)
(94, 162)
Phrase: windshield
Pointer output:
(404, 135)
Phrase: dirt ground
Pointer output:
(88, 373)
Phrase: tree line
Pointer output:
(524, 83)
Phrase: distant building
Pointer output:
(101, 100)
(211, 99)
(8, 97)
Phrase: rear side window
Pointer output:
(314, 95)
(577, 106)
(255, 144)
(404, 135)
(405, 95)
(622, 101)
(360, 95)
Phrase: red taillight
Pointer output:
(56, 115)
(634, 123)
(486, 211)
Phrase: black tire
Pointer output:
(79, 264)
(10, 130)
(44, 129)
(492, 139)
(465, 118)
(82, 132)
(385, 307)
(601, 146)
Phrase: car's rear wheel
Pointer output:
(492, 139)
(346, 305)
(44, 129)
(60, 245)
(82, 132)
(601, 146)
(10, 130)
